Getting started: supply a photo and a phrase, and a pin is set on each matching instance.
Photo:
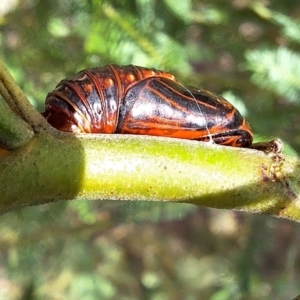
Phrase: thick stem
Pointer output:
(14, 132)
(146, 168)
(18, 102)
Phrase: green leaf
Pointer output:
(182, 9)
(276, 70)
(290, 27)
(236, 101)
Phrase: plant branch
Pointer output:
(111, 167)
(20, 105)
(14, 132)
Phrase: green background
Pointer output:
(247, 51)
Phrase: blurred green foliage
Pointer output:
(246, 50)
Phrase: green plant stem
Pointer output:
(15, 132)
(20, 105)
(136, 168)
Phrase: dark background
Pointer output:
(247, 51)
